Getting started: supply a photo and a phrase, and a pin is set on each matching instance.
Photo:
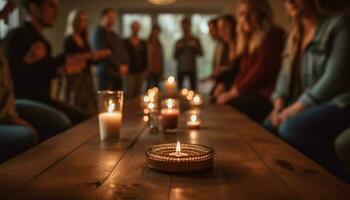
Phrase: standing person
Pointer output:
(137, 50)
(186, 51)
(16, 133)
(32, 65)
(79, 89)
(155, 58)
(312, 95)
(260, 43)
(111, 70)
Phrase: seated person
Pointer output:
(16, 133)
(228, 65)
(31, 63)
(312, 95)
(260, 44)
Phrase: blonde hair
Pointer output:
(265, 22)
(72, 20)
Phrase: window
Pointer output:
(170, 24)
(13, 21)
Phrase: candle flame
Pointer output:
(178, 148)
(151, 106)
(146, 99)
(171, 79)
(184, 92)
(170, 103)
(197, 99)
(194, 118)
(111, 106)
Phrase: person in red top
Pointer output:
(260, 43)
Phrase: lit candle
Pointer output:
(190, 95)
(170, 114)
(110, 122)
(178, 152)
(193, 121)
(184, 92)
(196, 100)
(170, 86)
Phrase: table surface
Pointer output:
(250, 163)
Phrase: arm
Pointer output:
(335, 79)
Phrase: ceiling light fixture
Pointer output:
(162, 2)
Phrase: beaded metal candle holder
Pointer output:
(193, 157)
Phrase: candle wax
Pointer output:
(169, 118)
(110, 124)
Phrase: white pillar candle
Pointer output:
(110, 123)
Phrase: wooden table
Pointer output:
(250, 163)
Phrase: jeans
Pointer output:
(46, 120)
(342, 148)
(314, 131)
(254, 105)
(192, 77)
(15, 140)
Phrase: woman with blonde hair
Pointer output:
(259, 44)
(79, 90)
(312, 94)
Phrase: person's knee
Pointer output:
(292, 131)
(342, 146)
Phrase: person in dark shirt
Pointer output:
(110, 71)
(186, 51)
(155, 58)
(79, 88)
(32, 65)
(137, 50)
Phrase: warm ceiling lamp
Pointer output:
(162, 2)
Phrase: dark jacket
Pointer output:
(31, 81)
(138, 56)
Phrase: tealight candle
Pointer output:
(170, 114)
(110, 117)
(190, 95)
(193, 120)
(178, 152)
(170, 86)
(184, 92)
(196, 100)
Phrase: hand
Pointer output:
(274, 116)
(36, 52)
(219, 89)
(101, 54)
(223, 98)
(21, 122)
(291, 111)
(217, 71)
(75, 63)
(123, 70)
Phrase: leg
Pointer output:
(15, 140)
(180, 78)
(193, 80)
(253, 105)
(313, 132)
(342, 148)
(48, 121)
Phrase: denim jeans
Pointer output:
(15, 140)
(314, 131)
(46, 120)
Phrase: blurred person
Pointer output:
(260, 43)
(186, 51)
(79, 89)
(312, 95)
(111, 70)
(17, 133)
(31, 63)
(155, 58)
(228, 68)
(138, 61)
